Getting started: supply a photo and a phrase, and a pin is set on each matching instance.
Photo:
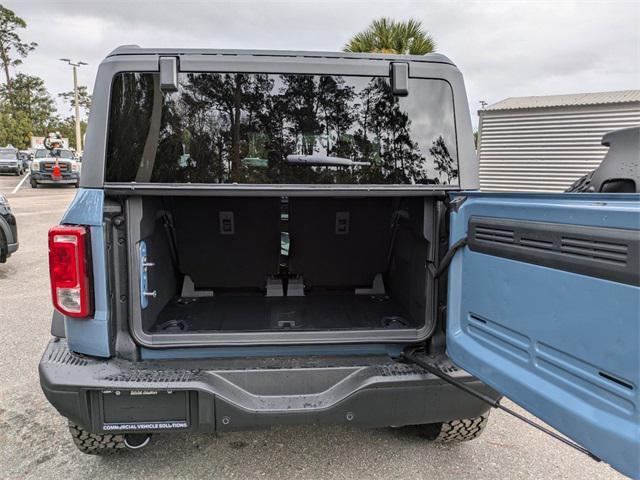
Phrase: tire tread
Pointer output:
(96, 443)
(462, 430)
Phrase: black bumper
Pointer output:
(206, 396)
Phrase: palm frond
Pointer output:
(385, 35)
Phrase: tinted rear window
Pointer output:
(280, 129)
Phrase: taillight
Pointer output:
(70, 270)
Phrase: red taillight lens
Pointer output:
(70, 271)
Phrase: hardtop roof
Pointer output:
(137, 50)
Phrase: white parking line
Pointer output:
(20, 184)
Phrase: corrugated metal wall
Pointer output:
(546, 149)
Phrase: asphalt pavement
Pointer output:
(35, 443)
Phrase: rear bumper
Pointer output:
(209, 395)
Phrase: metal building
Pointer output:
(546, 143)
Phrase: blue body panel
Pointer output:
(565, 346)
(91, 336)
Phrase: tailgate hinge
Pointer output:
(168, 73)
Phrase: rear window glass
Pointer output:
(280, 129)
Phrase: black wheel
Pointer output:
(460, 430)
(77, 185)
(34, 184)
(96, 443)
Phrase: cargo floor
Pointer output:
(254, 313)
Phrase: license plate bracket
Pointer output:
(144, 410)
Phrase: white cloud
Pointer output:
(504, 48)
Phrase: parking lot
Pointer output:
(34, 441)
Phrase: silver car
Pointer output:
(9, 161)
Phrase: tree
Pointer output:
(444, 163)
(28, 95)
(12, 48)
(84, 98)
(384, 138)
(386, 35)
(15, 128)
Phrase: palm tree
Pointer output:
(386, 35)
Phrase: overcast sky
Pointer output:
(504, 48)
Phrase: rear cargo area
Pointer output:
(306, 268)
(253, 313)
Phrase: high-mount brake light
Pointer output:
(69, 268)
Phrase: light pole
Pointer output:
(75, 66)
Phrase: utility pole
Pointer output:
(76, 100)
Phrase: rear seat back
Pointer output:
(339, 242)
(227, 242)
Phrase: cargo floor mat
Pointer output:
(253, 313)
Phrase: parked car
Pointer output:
(9, 161)
(8, 230)
(57, 166)
(26, 158)
(317, 252)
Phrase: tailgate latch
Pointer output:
(144, 275)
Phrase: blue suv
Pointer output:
(266, 238)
